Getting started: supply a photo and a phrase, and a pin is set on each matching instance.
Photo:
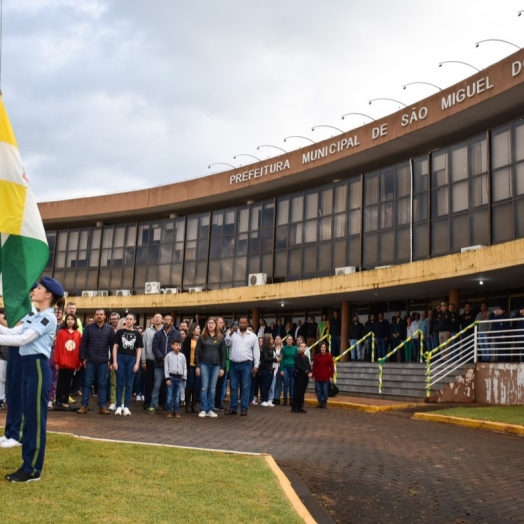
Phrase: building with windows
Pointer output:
(424, 204)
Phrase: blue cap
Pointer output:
(53, 286)
(35, 285)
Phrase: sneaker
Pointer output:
(264, 404)
(202, 414)
(10, 443)
(118, 411)
(211, 414)
(82, 411)
(254, 402)
(50, 405)
(126, 412)
(3, 439)
(2, 404)
(139, 398)
(270, 404)
(22, 476)
(112, 407)
(151, 410)
(71, 400)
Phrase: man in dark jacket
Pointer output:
(500, 342)
(95, 351)
(398, 331)
(162, 341)
(356, 332)
(381, 335)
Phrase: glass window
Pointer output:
(256, 222)
(341, 196)
(215, 248)
(354, 251)
(165, 254)
(266, 239)
(168, 231)
(420, 207)
(354, 222)
(386, 215)
(439, 205)
(440, 169)
(254, 242)
(73, 240)
(403, 181)
(311, 205)
(339, 253)
(479, 191)
(518, 137)
(460, 232)
(310, 231)
(420, 241)
(202, 246)
(370, 251)
(402, 249)
(190, 250)
(420, 174)
(228, 246)
(519, 219)
(355, 194)
(83, 240)
(327, 201)
(519, 179)
(180, 229)
(479, 223)
(61, 260)
(152, 254)
(203, 226)
(501, 184)
(178, 252)
(96, 236)
(370, 219)
(459, 197)
(386, 250)
(502, 220)
(297, 208)
(243, 220)
(294, 261)
(309, 259)
(280, 264)
(459, 162)
(282, 211)
(213, 276)
(339, 225)
(387, 184)
(242, 243)
(217, 223)
(119, 236)
(500, 148)
(229, 221)
(478, 155)
(324, 257)
(192, 228)
(325, 228)
(226, 270)
(440, 237)
(371, 189)
(295, 234)
(94, 255)
(239, 269)
(402, 208)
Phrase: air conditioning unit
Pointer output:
(345, 270)
(195, 290)
(383, 267)
(102, 293)
(170, 290)
(257, 279)
(472, 248)
(152, 288)
(123, 292)
(89, 293)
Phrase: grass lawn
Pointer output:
(94, 482)
(505, 414)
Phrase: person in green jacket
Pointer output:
(287, 367)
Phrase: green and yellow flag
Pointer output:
(23, 245)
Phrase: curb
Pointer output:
(288, 490)
(513, 429)
(362, 407)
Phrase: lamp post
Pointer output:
(497, 40)
(221, 163)
(269, 145)
(388, 99)
(458, 62)
(426, 83)
(360, 114)
(331, 127)
(247, 154)
(299, 136)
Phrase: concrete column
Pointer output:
(255, 318)
(173, 314)
(454, 298)
(344, 328)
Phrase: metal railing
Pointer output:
(354, 346)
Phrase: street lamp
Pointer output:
(299, 136)
(247, 154)
(269, 145)
(332, 127)
(221, 163)
(458, 62)
(426, 83)
(497, 40)
(389, 99)
(361, 114)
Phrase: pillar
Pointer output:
(344, 328)
(454, 298)
(173, 314)
(255, 318)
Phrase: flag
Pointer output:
(23, 245)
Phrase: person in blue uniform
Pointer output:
(35, 338)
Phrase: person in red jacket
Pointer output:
(67, 358)
(323, 371)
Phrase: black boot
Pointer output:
(276, 402)
(193, 401)
(188, 400)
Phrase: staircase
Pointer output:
(400, 381)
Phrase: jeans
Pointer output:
(3, 374)
(159, 378)
(124, 377)
(173, 394)
(89, 377)
(335, 346)
(356, 353)
(240, 376)
(484, 347)
(322, 389)
(208, 383)
(267, 377)
(381, 347)
(289, 382)
(276, 386)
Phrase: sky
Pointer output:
(107, 96)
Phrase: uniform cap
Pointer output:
(53, 286)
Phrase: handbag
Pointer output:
(333, 390)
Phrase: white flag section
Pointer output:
(23, 245)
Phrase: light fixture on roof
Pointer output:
(221, 163)
(331, 127)
(481, 282)
(389, 100)
(359, 114)
(269, 145)
(458, 62)
(247, 154)
(497, 40)
(282, 304)
(299, 136)
(426, 83)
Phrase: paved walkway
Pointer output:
(361, 467)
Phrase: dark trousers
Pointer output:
(36, 381)
(63, 386)
(266, 379)
(13, 420)
(301, 382)
(218, 390)
(149, 379)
